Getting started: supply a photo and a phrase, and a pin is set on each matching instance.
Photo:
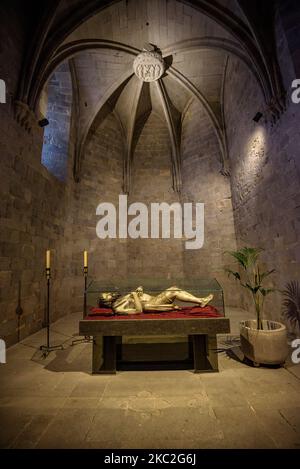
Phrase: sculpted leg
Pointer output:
(174, 293)
(185, 296)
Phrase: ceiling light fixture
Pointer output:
(257, 117)
(43, 122)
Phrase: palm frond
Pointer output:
(246, 256)
(251, 254)
(266, 274)
(240, 257)
(235, 274)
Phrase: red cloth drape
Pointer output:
(187, 312)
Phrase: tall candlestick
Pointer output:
(86, 338)
(85, 259)
(48, 348)
(47, 259)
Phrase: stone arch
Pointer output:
(50, 40)
(232, 48)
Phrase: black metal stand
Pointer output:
(49, 348)
(19, 312)
(85, 273)
(87, 338)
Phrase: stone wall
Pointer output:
(152, 183)
(203, 182)
(33, 213)
(265, 174)
(13, 34)
(289, 12)
(101, 181)
(33, 217)
(57, 133)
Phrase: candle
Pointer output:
(85, 259)
(47, 259)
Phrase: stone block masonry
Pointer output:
(265, 175)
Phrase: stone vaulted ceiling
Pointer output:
(100, 40)
(105, 77)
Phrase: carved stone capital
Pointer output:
(276, 107)
(24, 115)
(225, 170)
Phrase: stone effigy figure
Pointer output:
(137, 301)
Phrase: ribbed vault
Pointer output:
(118, 90)
(100, 42)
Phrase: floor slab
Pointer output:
(55, 402)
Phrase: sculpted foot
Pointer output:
(206, 300)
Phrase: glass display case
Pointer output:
(180, 332)
(182, 288)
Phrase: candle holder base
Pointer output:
(85, 340)
(47, 349)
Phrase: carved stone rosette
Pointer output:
(149, 66)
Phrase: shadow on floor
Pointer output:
(70, 359)
(236, 354)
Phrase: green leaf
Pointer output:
(235, 274)
(266, 291)
(266, 274)
(251, 254)
(246, 256)
(254, 290)
(242, 260)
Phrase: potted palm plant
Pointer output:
(262, 341)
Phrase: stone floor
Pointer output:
(56, 402)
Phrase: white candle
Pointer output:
(85, 259)
(48, 259)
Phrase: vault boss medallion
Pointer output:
(149, 65)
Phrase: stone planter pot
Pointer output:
(266, 346)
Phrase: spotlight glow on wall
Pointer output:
(255, 153)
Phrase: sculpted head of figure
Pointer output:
(140, 291)
(107, 299)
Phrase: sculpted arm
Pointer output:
(168, 307)
(128, 304)
(137, 302)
